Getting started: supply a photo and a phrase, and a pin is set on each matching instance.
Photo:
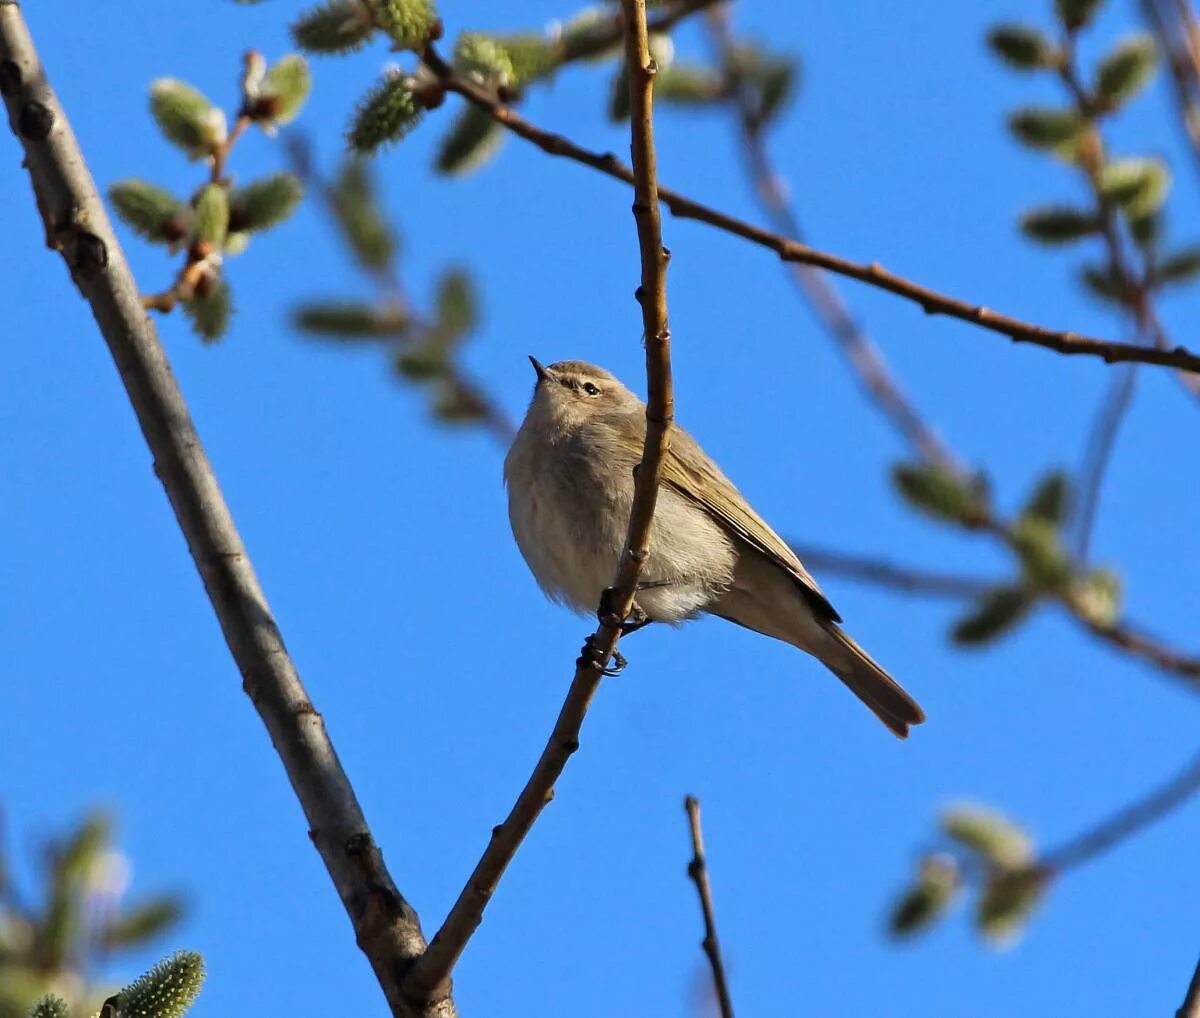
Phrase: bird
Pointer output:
(570, 480)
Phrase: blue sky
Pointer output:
(383, 545)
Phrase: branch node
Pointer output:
(35, 121)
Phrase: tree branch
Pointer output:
(873, 274)
(698, 871)
(911, 580)
(432, 971)
(77, 226)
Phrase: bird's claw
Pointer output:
(592, 658)
(609, 617)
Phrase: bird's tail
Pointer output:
(869, 682)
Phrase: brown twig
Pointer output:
(386, 927)
(909, 579)
(432, 971)
(1182, 57)
(873, 274)
(864, 356)
(698, 872)
(1126, 822)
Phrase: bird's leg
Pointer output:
(635, 620)
(590, 656)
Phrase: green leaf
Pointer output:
(456, 306)
(1022, 47)
(1179, 266)
(687, 85)
(940, 493)
(532, 56)
(423, 361)
(167, 991)
(993, 615)
(588, 36)
(1039, 545)
(483, 59)
(283, 91)
(1051, 498)
(1097, 597)
(1058, 224)
(1075, 14)
(1146, 230)
(350, 320)
(186, 117)
(149, 210)
(1107, 284)
(211, 222)
(1137, 186)
(928, 898)
(137, 925)
(340, 26)
(472, 139)
(1125, 70)
(454, 404)
(410, 23)
(363, 226)
(49, 1006)
(264, 203)
(210, 309)
(384, 115)
(991, 834)
(1008, 899)
(618, 94)
(1045, 128)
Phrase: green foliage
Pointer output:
(283, 90)
(1051, 499)
(484, 59)
(168, 990)
(340, 26)
(472, 139)
(1097, 597)
(927, 898)
(453, 403)
(410, 23)
(141, 923)
(210, 309)
(1038, 543)
(424, 361)
(587, 36)
(1146, 230)
(532, 56)
(1123, 73)
(211, 215)
(264, 203)
(1058, 224)
(1107, 284)
(989, 834)
(940, 493)
(384, 115)
(50, 1007)
(350, 320)
(455, 305)
(995, 613)
(362, 222)
(768, 79)
(1075, 14)
(1179, 266)
(1008, 899)
(1046, 128)
(148, 210)
(1022, 47)
(186, 117)
(618, 94)
(1137, 186)
(688, 85)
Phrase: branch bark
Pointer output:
(698, 871)
(77, 226)
(431, 973)
(873, 274)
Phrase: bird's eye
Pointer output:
(590, 389)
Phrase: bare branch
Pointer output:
(432, 971)
(864, 356)
(910, 579)
(77, 226)
(1170, 22)
(698, 871)
(1100, 445)
(931, 301)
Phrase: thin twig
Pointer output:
(698, 871)
(1191, 1003)
(910, 579)
(1172, 25)
(1100, 445)
(386, 927)
(864, 356)
(873, 274)
(1126, 822)
(432, 971)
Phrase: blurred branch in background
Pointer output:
(432, 970)
(425, 351)
(1191, 1003)
(698, 872)
(985, 850)
(1176, 26)
(62, 942)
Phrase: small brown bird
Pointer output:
(570, 489)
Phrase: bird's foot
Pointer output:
(608, 615)
(591, 657)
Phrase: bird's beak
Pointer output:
(540, 368)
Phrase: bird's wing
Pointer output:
(725, 504)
